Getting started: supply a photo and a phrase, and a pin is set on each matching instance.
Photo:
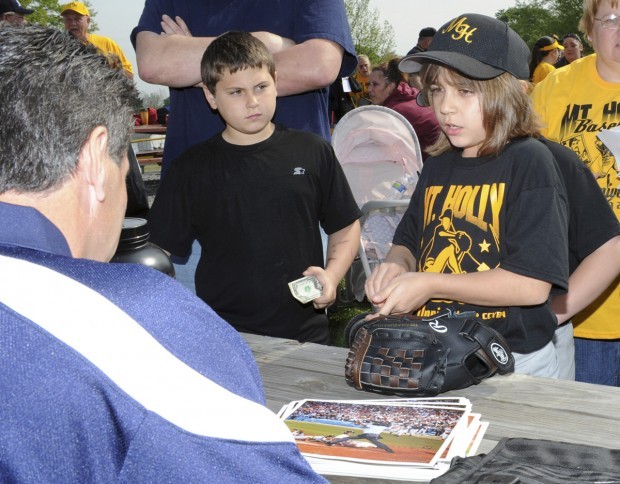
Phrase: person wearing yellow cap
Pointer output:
(545, 54)
(77, 20)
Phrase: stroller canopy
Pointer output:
(376, 146)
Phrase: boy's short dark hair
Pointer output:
(427, 32)
(572, 36)
(234, 51)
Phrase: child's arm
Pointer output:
(496, 287)
(593, 275)
(341, 250)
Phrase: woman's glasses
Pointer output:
(609, 22)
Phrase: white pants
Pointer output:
(555, 360)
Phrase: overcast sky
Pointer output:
(117, 18)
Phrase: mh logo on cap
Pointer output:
(461, 30)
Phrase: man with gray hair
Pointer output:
(110, 372)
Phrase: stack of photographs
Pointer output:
(411, 439)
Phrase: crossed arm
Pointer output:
(173, 58)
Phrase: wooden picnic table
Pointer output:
(149, 157)
(514, 405)
(150, 129)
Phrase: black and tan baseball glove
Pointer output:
(413, 356)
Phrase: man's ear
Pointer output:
(92, 158)
(210, 98)
(275, 81)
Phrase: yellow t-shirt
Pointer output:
(107, 46)
(542, 70)
(576, 104)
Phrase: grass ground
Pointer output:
(340, 314)
(338, 319)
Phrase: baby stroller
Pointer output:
(381, 158)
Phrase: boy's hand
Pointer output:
(330, 286)
(381, 276)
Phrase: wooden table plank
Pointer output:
(150, 128)
(515, 405)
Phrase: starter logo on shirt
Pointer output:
(299, 171)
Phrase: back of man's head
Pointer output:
(234, 51)
(55, 91)
(427, 32)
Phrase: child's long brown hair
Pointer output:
(506, 109)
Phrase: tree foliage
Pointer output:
(155, 99)
(47, 12)
(536, 18)
(370, 36)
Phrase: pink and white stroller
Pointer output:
(381, 158)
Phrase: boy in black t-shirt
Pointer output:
(254, 197)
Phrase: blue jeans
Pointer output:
(598, 361)
(185, 268)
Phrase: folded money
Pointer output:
(306, 289)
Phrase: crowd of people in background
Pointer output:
(515, 216)
(388, 86)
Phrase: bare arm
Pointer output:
(170, 60)
(341, 250)
(595, 273)
(311, 65)
(496, 287)
(173, 58)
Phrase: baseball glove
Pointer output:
(413, 356)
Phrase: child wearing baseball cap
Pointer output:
(486, 229)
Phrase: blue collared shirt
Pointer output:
(27, 227)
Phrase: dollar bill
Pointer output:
(306, 289)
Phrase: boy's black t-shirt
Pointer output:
(476, 214)
(256, 212)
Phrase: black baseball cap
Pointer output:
(477, 46)
(13, 6)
